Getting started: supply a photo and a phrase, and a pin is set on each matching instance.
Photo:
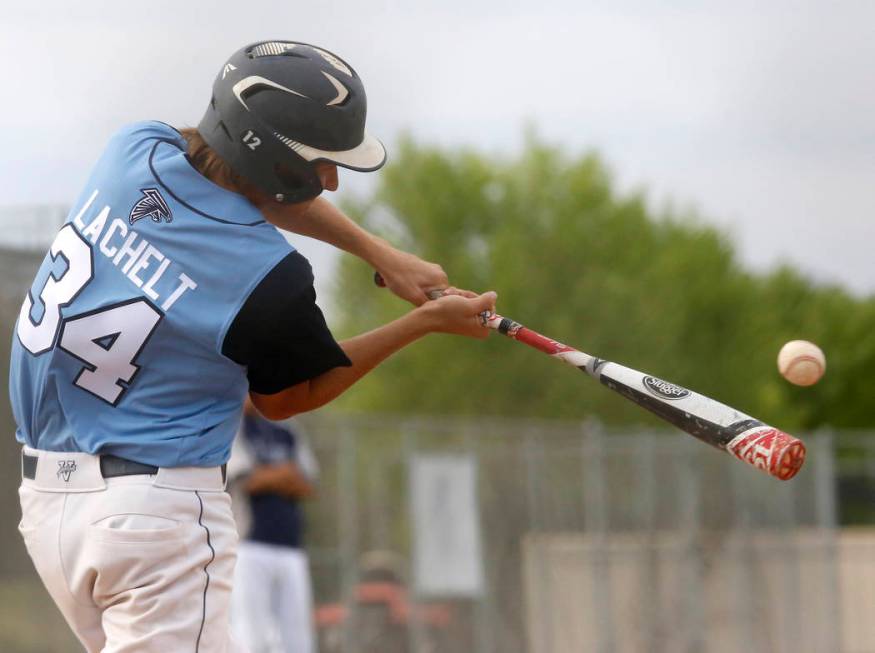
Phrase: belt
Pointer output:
(110, 467)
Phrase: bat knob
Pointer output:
(790, 460)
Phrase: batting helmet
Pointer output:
(278, 107)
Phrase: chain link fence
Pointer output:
(536, 537)
(586, 540)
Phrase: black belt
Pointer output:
(110, 467)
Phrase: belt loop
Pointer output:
(28, 466)
(206, 479)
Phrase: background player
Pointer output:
(272, 469)
(163, 300)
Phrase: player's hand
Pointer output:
(459, 312)
(408, 276)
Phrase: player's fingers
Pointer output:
(440, 279)
(482, 305)
(486, 301)
(460, 292)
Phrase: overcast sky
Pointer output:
(758, 114)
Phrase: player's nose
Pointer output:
(327, 176)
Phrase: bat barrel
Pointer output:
(773, 451)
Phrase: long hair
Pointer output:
(213, 167)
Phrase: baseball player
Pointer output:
(165, 298)
(271, 470)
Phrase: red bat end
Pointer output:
(770, 450)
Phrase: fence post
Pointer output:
(347, 511)
(647, 462)
(534, 457)
(377, 519)
(485, 609)
(595, 524)
(827, 519)
(690, 505)
(410, 440)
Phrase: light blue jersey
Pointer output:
(118, 346)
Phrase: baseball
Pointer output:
(801, 362)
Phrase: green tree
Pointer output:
(573, 258)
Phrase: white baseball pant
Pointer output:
(272, 602)
(135, 563)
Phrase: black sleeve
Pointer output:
(280, 333)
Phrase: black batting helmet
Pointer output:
(280, 106)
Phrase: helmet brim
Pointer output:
(368, 156)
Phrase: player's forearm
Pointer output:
(324, 221)
(406, 275)
(365, 352)
(458, 312)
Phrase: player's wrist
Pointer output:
(376, 251)
(425, 319)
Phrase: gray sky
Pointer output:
(757, 114)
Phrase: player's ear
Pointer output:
(328, 177)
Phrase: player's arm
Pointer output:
(406, 275)
(285, 479)
(455, 314)
(293, 362)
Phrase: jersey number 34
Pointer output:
(106, 341)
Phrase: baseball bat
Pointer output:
(769, 449)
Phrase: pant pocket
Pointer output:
(136, 527)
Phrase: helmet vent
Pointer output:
(272, 49)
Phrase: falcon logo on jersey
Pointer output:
(152, 205)
(65, 468)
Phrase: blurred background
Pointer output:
(681, 187)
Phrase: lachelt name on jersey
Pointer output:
(135, 257)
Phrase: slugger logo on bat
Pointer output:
(664, 389)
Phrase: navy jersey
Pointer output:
(118, 345)
(272, 518)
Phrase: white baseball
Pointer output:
(801, 362)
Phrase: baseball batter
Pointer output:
(166, 297)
